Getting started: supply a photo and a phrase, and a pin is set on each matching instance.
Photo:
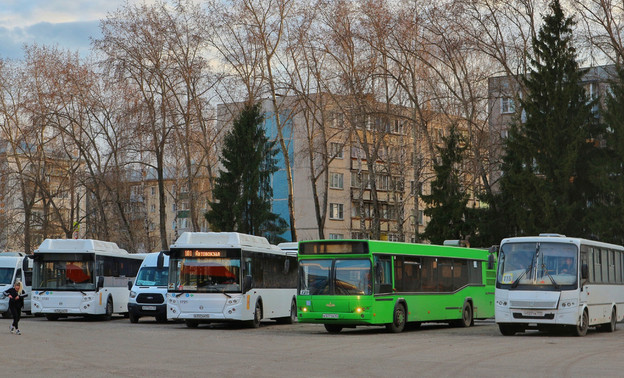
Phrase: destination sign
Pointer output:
(201, 253)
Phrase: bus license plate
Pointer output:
(330, 316)
(204, 316)
(61, 310)
(533, 313)
(149, 308)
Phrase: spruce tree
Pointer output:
(550, 152)
(446, 205)
(242, 191)
(608, 216)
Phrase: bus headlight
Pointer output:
(304, 309)
(233, 301)
(86, 298)
(359, 310)
(133, 294)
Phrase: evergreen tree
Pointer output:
(550, 155)
(446, 205)
(243, 189)
(608, 216)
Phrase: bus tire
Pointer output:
(581, 329)
(610, 327)
(399, 318)
(292, 318)
(507, 329)
(191, 323)
(109, 309)
(467, 319)
(52, 317)
(255, 322)
(333, 328)
(133, 317)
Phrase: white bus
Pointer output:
(228, 276)
(147, 295)
(14, 266)
(81, 278)
(552, 281)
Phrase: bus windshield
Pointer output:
(549, 265)
(208, 274)
(152, 276)
(350, 277)
(64, 271)
(6, 275)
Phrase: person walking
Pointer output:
(16, 302)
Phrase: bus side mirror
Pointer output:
(490, 261)
(246, 284)
(99, 284)
(160, 261)
(584, 271)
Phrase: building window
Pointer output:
(336, 211)
(507, 105)
(152, 208)
(336, 180)
(336, 236)
(153, 190)
(397, 127)
(335, 150)
(338, 120)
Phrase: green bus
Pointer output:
(346, 283)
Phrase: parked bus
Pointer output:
(14, 266)
(148, 293)
(290, 248)
(347, 283)
(228, 276)
(552, 281)
(81, 278)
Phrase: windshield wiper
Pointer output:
(226, 294)
(530, 268)
(549, 276)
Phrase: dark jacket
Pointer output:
(18, 303)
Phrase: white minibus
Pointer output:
(148, 293)
(14, 266)
(553, 281)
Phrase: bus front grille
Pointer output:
(150, 298)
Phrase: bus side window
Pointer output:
(383, 275)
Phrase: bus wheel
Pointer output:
(507, 329)
(133, 317)
(581, 329)
(398, 319)
(255, 323)
(467, 319)
(333, 328)
(109, 309)
(610, 327)
(293, 315)
(192, 323)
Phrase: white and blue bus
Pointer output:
(228, 276)
(14, 266)
(147, 295)
(552, 281)
(82, 277)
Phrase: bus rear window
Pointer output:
(331, 247)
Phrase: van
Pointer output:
(14, 266)
(149, 291)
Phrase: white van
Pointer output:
(14, 266)
(148, 293)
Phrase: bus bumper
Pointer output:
(335, 318)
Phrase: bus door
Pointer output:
(383, 274)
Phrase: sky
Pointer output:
(68, 24)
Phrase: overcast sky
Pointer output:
(70, 24)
